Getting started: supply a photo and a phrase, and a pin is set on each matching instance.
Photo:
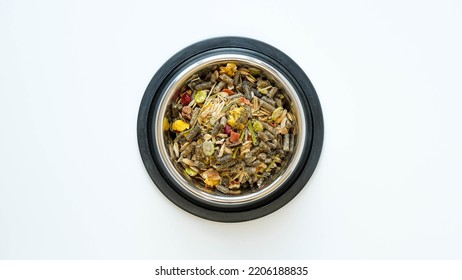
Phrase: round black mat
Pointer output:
(311, 148)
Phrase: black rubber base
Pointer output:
(311, 148)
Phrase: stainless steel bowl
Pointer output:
(213, 205)
(179, 79)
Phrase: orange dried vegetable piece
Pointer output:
(228, 91)
(234, 137)
(244, 100)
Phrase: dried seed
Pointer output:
(277, 113)
(283, 122)
(223, 121)
(187, 161)
(250, 78)
(289, 116)
(207, 137)
(222, 189)
(255, 103)
(171, 152)
(281, 117)
(176, 149)
(186, 144)
(256, 163)
(234, 192)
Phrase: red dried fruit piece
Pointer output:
(176, 95)
(228, 129)
(185, 99)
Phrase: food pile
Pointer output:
(230, 128)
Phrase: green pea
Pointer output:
(200, 96)
(257, 126)
(208, 148)
(190, 172)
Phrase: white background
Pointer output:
(388, 74)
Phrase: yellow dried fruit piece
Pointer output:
(211, 176)
(180, 125)
(211, 182)
(166, 125)
(232, 121)
(234, 115)
(230, 69)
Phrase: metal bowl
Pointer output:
(213, 205)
